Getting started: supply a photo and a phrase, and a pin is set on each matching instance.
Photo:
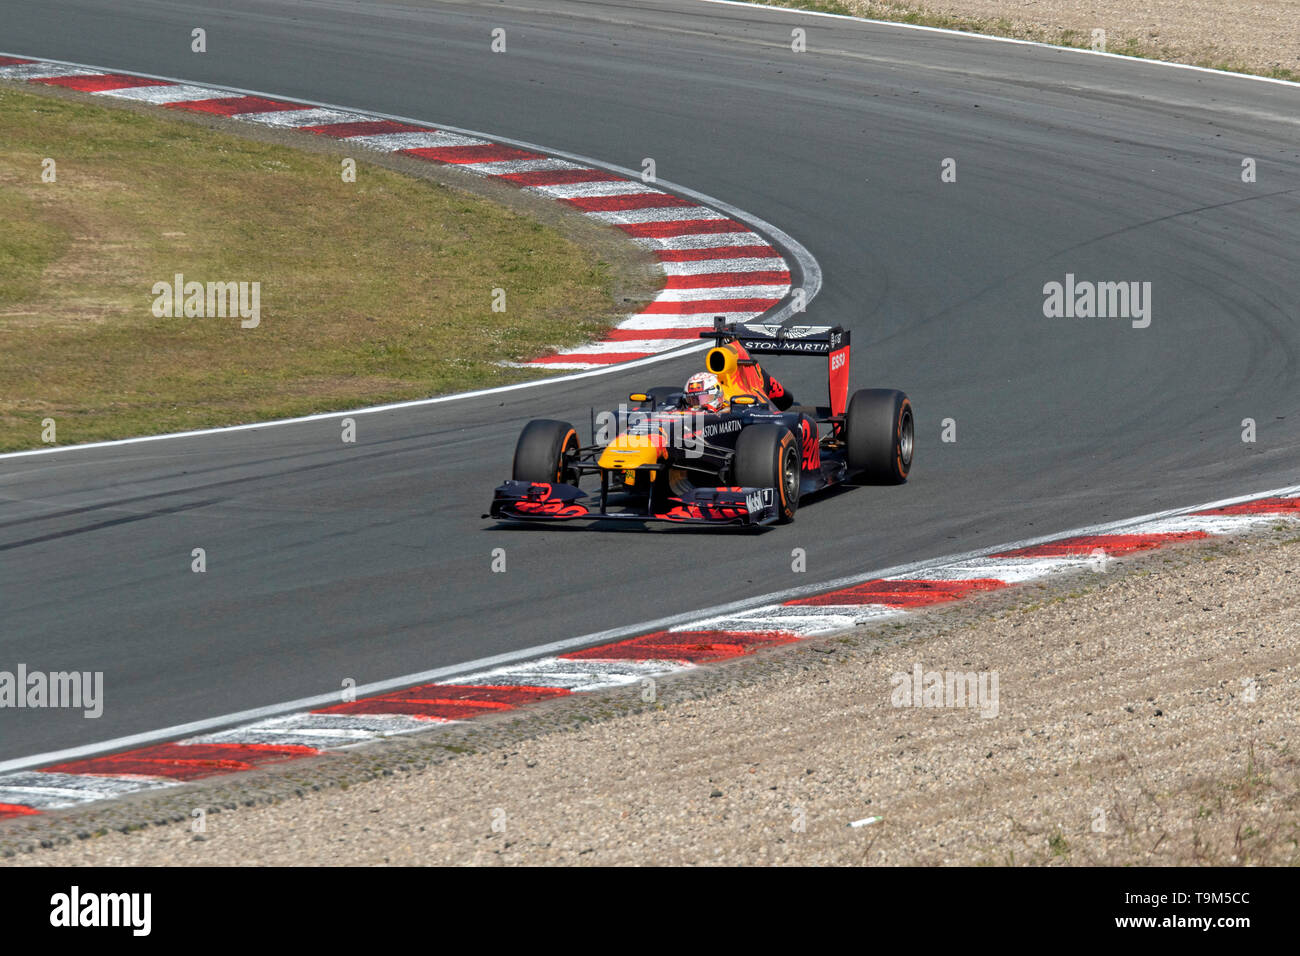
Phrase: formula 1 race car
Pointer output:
(745, 460)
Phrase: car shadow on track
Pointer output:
(629, 526)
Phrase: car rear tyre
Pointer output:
(546, 451)
(879, 434)
(767, 456)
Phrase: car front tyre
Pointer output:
(545, 452)
(767, 456)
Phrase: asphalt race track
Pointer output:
(329, 561)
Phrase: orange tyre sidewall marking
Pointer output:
(780, 484)
(564, 445)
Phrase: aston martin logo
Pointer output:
(788, 331)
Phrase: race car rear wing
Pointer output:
(829, 340)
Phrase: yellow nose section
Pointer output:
(632, 451)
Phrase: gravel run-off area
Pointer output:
(1257, 36)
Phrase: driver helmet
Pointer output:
(703, 390)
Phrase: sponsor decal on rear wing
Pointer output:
(792, 340)
(781, 339)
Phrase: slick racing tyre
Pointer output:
(879, 434)
(545, 452)
(767, 456)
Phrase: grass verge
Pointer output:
(372, 291)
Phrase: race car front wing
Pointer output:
(542, 501)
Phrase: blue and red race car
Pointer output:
(744, 460)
